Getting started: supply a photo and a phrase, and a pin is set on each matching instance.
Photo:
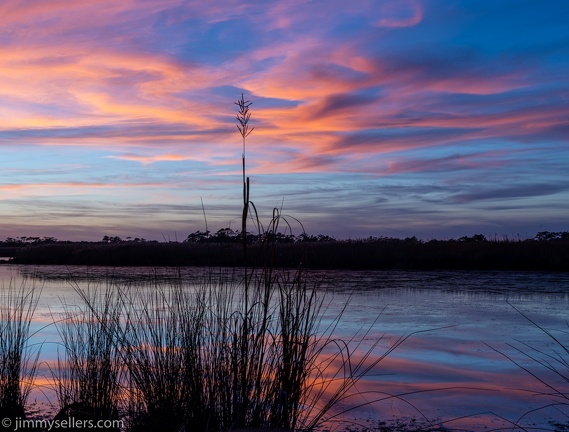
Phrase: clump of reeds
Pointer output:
(90, 376)
(18, 358)
(177, 356)
(196, 357)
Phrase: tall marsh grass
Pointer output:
(18, 357)
(203, 357)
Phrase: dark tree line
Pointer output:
(230, 236)
(227, 235)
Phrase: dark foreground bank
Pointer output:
(408, 254)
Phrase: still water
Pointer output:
(451, 369)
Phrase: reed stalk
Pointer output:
(243, 117)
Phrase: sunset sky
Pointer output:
(427, 118)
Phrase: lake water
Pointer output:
(450, 370)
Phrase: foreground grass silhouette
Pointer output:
(203, 357)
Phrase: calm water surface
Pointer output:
(446, 372)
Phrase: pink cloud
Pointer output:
(146, 160)
(107, 85)
(64, 188)
(400, 13)
(85, 83)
